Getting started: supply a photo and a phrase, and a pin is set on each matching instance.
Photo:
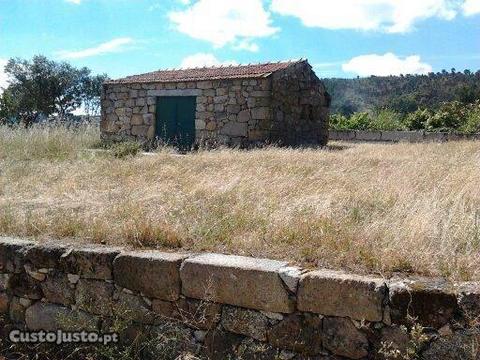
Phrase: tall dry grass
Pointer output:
(366, 207)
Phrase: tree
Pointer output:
(92, 88)
(43, 87)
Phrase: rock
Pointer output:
(246, 322)
(250, 349)
(236, 280)
(272, 315)
(95, 296)
(199, 335)
(25, 302)
(91, 262)
(3, 303)
(290, 275)
(469, 299)
(44, 255)
(73, 279)
(148, 119)
(154, 274)
(23, 285)
(137, 119)
(301, 333)
(244, 116)
(139, 130)
(394, 338)
(234, 128)
(58, 290)
(197, 314)
(260, 113)
(335, 293)
(428, 302)
(11, 253)
(342, 338)
(222, 345)
(16, 311)
(49, 317)
(204, 85)
(133, 308)
(4, 280)
(171, 340)
(462, 345)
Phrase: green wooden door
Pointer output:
(175, 122)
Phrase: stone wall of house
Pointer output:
(231, 112)
(231, 307)
(300, 106)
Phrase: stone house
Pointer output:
(282, 103)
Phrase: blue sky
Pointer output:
(342, 38)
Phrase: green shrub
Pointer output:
(448, 117)
(360, 121)
(339, 122)
(386, 120)
(124, 149)
(417, 120)
(472, 120)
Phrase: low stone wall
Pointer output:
(233, 307)
(398, 136)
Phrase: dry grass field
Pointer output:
(363, 207)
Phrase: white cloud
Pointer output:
(225, 22)
(203, 59)
(3, 76)
(76, 2)
(115, 45)
(384, 65)
(471, 7)
(394, 16)
(246, 45)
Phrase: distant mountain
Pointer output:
(403, 94)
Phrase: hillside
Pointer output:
(403, 94)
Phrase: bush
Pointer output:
(451, 116)
(472, 120)
(360, 121)
(448, 117)
(339, 122)
(417, 120)
(124, 149)
(387, 120)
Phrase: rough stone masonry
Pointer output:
(281, 103)
(234, 307)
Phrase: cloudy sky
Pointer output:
(340, 38)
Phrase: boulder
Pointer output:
(246, 322)
(342, 338)
(57, 289)
(154, 274)
(95, 296)
(49, 317)
(236, 280)
(429, 302)
(301, 333)
(90, 262)
(335, 293)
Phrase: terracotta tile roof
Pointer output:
(208, 73)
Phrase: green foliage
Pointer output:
(380, 120)
(417, 120)
(448, 117)
(452, 116)
(387, 120)
(42, 87)
(403, 94)
(471, 124)
(124, 149)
